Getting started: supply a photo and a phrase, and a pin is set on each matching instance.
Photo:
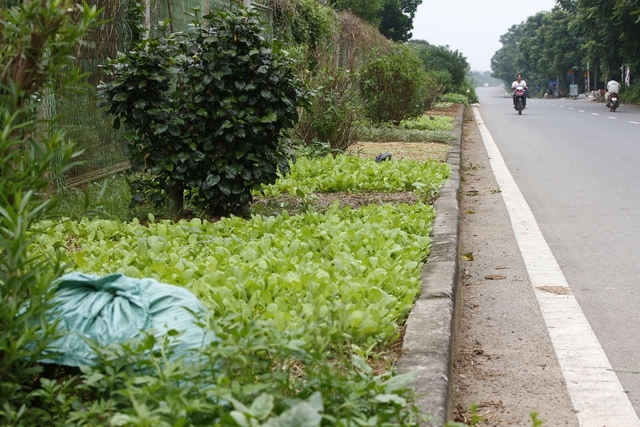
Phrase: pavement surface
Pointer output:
(476, 335)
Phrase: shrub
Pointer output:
(254, 376)
(336, 107)
(631, 94)
(304, 22)
(42, 37)
(393, 85)
(205, 112)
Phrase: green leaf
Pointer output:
(391, 398)
(225, 188)
(240, 418)
(212, 180)
(262, 406)
(400, 381)
(121, 97)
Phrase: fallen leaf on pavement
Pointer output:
(495, 277)
(467, 256)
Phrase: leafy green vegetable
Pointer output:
(351, 174)
(355, 270)
(428, 122)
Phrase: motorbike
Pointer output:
(519, 100)
(612, 102)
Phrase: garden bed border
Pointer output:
(429, 338)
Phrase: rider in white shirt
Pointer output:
(612, 87)
(519, 84)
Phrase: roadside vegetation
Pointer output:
(252, 189)
(575, 37)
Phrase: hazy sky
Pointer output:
(473, 27)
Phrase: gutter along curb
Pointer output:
(430, 328)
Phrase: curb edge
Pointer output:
(430, 330)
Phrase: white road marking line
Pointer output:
(570, 108)
(635, 123)
(595, 114)
(582, 111)
(612, 118)
(597, 395)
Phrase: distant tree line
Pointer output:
(601, 36)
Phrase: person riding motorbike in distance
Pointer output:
(612, 87)
(519, 84)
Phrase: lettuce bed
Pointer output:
(354, 270)
(352, 174)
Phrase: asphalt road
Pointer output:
(578, 167)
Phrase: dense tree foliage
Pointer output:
(450, 67)
(394, 18)
(602, 36)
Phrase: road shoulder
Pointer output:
(504, 361)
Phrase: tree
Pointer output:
(393, 18)
(503, 62)
(368, 10)
(541, 48)
(450, 66)
(205, 111)
(396, 21)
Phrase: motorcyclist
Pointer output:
(612, 87)
(522, 85)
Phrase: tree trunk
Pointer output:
(176, 199)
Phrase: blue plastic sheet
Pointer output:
(116, 308)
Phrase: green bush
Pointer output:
(254, 376)
(631, 94)
(304, 22)
(336, 110)
(42, 37)
(205, 111)
(393, 85)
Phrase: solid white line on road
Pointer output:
(597, 395)
(635, 123)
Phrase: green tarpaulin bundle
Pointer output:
(116, 308)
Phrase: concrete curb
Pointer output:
(430, 329)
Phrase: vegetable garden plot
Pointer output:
(357, 271)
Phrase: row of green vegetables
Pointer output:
(297, 300)
(358, 269)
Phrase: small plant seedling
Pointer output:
(535, 422)
(475, 168)
(496, 190)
